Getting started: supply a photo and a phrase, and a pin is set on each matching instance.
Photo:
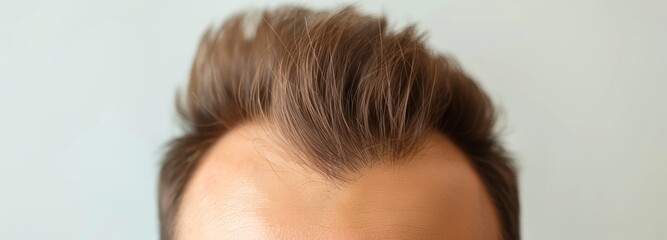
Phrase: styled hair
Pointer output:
(341, 92)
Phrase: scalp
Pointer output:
(339, 93)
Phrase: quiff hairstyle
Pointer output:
(341, 92)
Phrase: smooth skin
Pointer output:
(245, 190)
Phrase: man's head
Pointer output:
(326, 124)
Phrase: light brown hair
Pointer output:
(342, 92)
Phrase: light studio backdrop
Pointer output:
(87, 103)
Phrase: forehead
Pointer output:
(243, 190)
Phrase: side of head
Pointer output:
(340, 95)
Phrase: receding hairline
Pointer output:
(439, 163)
(342, 94)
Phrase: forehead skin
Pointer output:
(243, 190)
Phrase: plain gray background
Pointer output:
(87, 91)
